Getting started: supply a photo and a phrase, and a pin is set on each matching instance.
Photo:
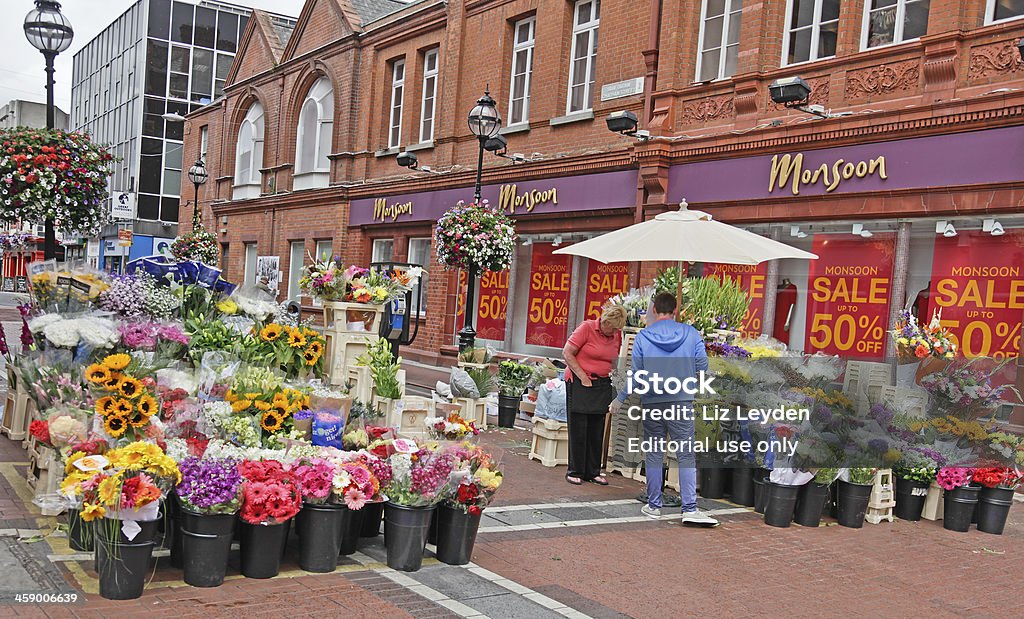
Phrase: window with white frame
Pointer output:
(296, 256)
(585, 22)
(894, 21)
(397, 92)
(249, 151)
(316, 129)
(429, 96)
(324, 249)
(204, 142)
(522, 70)
(250, 263)
(1000, 10)
(719, 39)
(383, 250)
(419, 253)
(812, 32)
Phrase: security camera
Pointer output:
(622, 121)
(407, 160)
(790, 91)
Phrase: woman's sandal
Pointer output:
(576, 481)
(600, 480)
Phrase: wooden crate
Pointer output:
(865, 380)
(18, 411)
(339, 316)
(933, 503)
(44, 476)
(550, 442)
(882, 499)
(474, 410)
(341, 353)
(911, 401)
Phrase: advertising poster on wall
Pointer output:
(547, 316)
(848, 293)
(493, 306)
(978, 285)
(268, 273)
(751, 278)
(604, 281)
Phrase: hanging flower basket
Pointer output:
(53, 175)
(199, 245)
(475, 236)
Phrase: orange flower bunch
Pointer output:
(127, 402)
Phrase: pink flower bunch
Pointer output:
(950, 478)
(314, 477)
(430, 472)
(380, 467)
(270, 494)
(146, 335)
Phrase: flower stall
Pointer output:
(169, 393)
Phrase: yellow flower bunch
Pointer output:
(831, 398)
(146, 457)
(128, 402)
(489, 479)
(272, 409)
(723, 367)
(956, 427)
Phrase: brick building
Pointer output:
(918, 158)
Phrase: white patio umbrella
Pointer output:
(683, 236)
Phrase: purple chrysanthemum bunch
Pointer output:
(210, 486)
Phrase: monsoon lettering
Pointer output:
(789, 170)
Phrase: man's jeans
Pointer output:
(681, 431)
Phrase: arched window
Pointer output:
(316, 128)
(249, 153)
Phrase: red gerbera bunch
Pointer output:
(994, 477)
(40, 430)
(270, 494)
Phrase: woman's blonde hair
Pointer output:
(614, 316)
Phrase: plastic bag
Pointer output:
(463, 385)
(216, 367)
(790, 477)
(328, 429)
(551, 401)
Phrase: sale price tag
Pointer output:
(848, 296)
(547, 315)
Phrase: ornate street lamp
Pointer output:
(485, 123)
(50, 32)
(198, 175)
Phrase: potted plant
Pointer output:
(122, 491)
(320, 520)
(414, 479)
(813, 495)
(913, 478)
(960, 497)
(712, 471)
(264, 521)
(474, 481)
(852, 496)
(996, 497)
(209, 496)
(512, 380)
(384, 374)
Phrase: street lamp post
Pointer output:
(198, 175)
(51, 33)
(485, 123)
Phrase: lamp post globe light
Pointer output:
(485, 123)
(198, 175)
(50, 32)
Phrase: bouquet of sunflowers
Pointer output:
(125, 399)
(273, 409)
(297, 351)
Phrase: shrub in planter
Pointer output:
(209, 497)
(513, 377)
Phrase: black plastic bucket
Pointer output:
(405, 535)
(261, 548)
(993, 508)
(742, 492)
(122, 563)
(958, 508)
(810, 504)
(781, 504)
(172, 534)
(319, 532)
(508, 410)
(852, 502)
(206, 544)
(910, 498)
(761, 482)
(712, 480)
(80, 535)
(351, 527)
(373, 514)
(456, 534)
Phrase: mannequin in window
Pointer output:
(785, 304)
(921, 303)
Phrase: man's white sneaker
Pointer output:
(699, 518)
(651, 512)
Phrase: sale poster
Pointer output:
(751, 278)
(547, 316)
(978, 286)
(493, 306)
(849, 289)
(604, 281)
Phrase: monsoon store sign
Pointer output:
(935, 161)
(591, 192)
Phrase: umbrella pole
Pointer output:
(679, 288)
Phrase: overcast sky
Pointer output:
(22, 74)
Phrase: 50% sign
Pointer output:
(979, 338)
(864, 334)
